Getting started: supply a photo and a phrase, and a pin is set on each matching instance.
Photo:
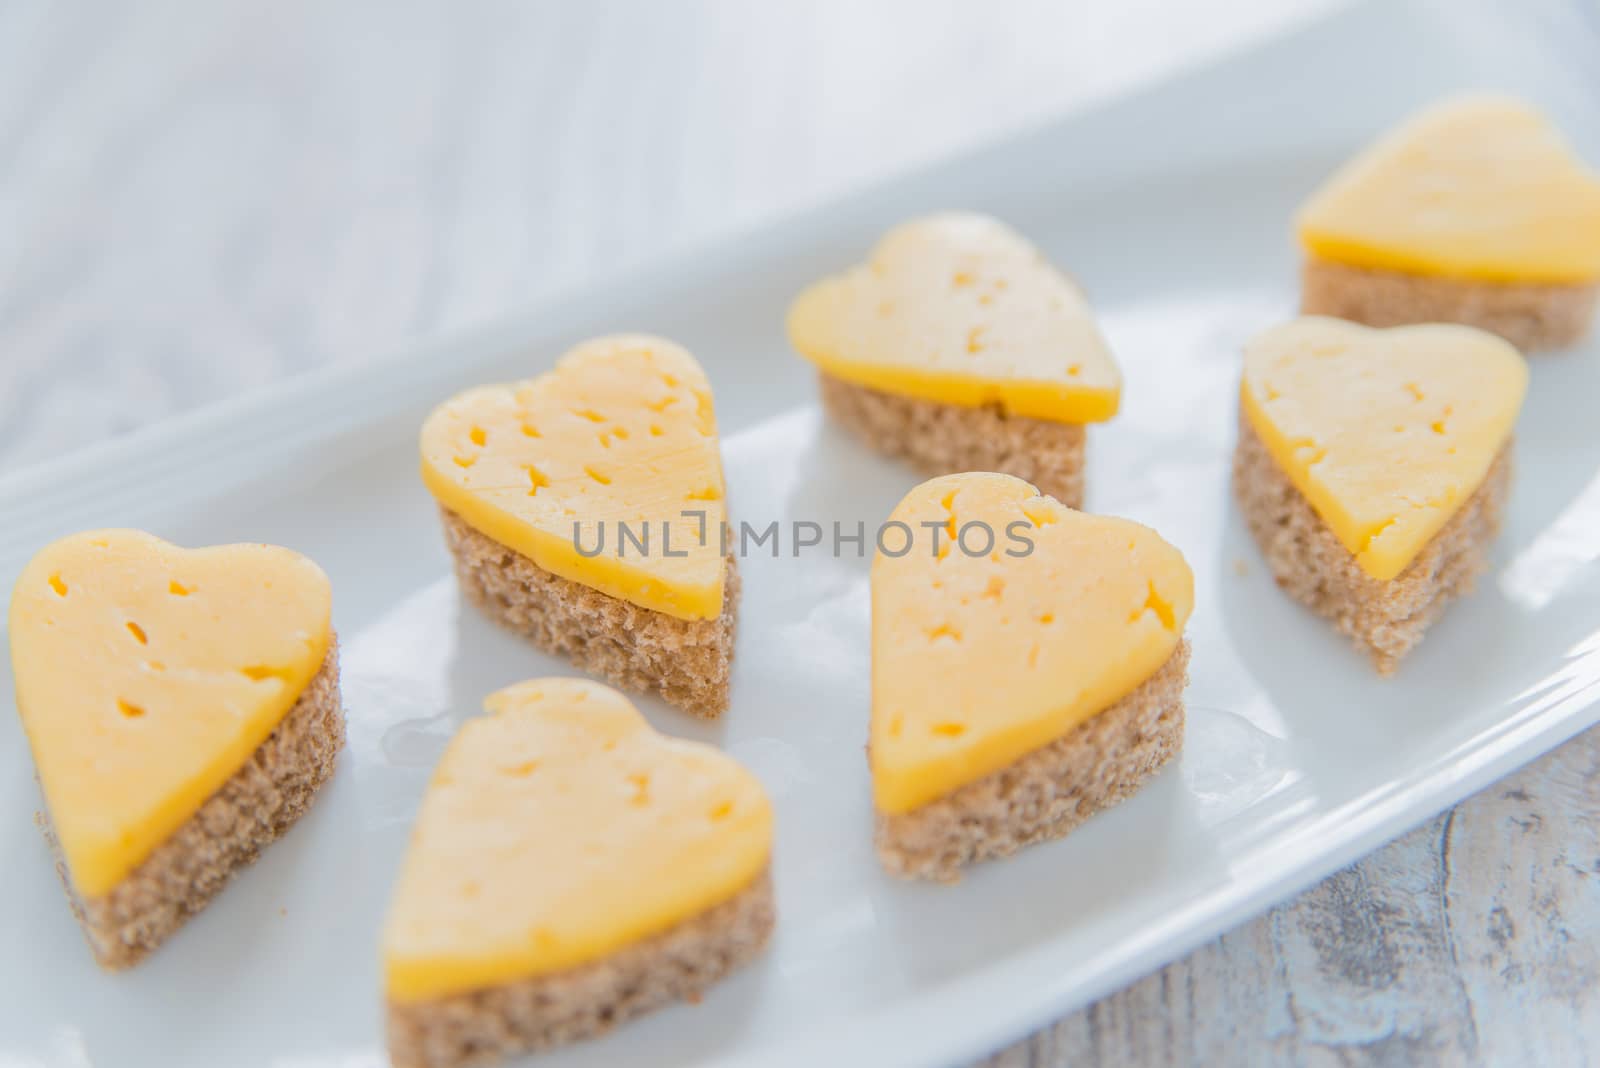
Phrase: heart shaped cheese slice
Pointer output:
(1010, 620)
(1479, 187)
(148, 674)
(558, 829)
(1385, 432)
(621, 432)
(960, 309)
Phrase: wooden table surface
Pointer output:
(199, 198)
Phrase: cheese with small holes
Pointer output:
(1385, 432)
(1479, 187)
(1011, 620)
(559, 829)
(961, 310)
(605, 471)
(148, 674)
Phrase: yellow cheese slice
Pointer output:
(1385, 432)
(148, 674)
(961, 310)
(561, 828)
(981, 655)
(1480, 187)
(621, 434)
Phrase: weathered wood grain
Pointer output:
(1475, 938)
(197, 198)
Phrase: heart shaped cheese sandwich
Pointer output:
(585, 510)
(1373, 468)
(961, 348)
(182, 707)
(570, 868)
(1028, 667)
(1476, 211)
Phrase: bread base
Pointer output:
(1532, 316)
(1384, 619)
(1048, 792)
(942, 439)
(259, 803)
(687, 661)
(535, 1014)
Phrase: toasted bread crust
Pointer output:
(1385, 620)
(678, 964)
(252, 809)
(1048, 792)
(1532, 316)
(687, 661)
(942, 439)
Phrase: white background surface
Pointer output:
(196, 199)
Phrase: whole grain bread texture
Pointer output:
(678, 964)
(1385, 620)
(1531, 315)
(252, 809)
(1048, 792)
(688, 662)
(942, 439)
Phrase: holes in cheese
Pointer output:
(513, 876)
(1385, 432)
(1022, 648)
(924, 318)
(193, 717)
(622, 431)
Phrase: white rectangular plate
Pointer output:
(1173, 208)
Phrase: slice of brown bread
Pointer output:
(1384, 619)
(252, 809)
(1048, 792)
(942, 439)
(687, 661)
(1530, 315)
(678, 964)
